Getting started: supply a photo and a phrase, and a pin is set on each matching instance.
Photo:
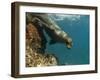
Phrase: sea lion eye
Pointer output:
(69, 40)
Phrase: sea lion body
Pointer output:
(56, 34)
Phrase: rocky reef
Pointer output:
(35, 48)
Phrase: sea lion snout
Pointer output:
(69, 43)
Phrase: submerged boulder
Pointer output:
(35, 48)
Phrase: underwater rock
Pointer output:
(35, 48)
(34, 59)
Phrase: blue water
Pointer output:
(77, 27)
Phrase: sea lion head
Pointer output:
(68, 42)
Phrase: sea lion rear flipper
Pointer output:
(52, 42)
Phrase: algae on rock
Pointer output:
(35, 48)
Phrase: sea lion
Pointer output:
(51, 28)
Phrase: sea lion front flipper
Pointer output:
(52, 42)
